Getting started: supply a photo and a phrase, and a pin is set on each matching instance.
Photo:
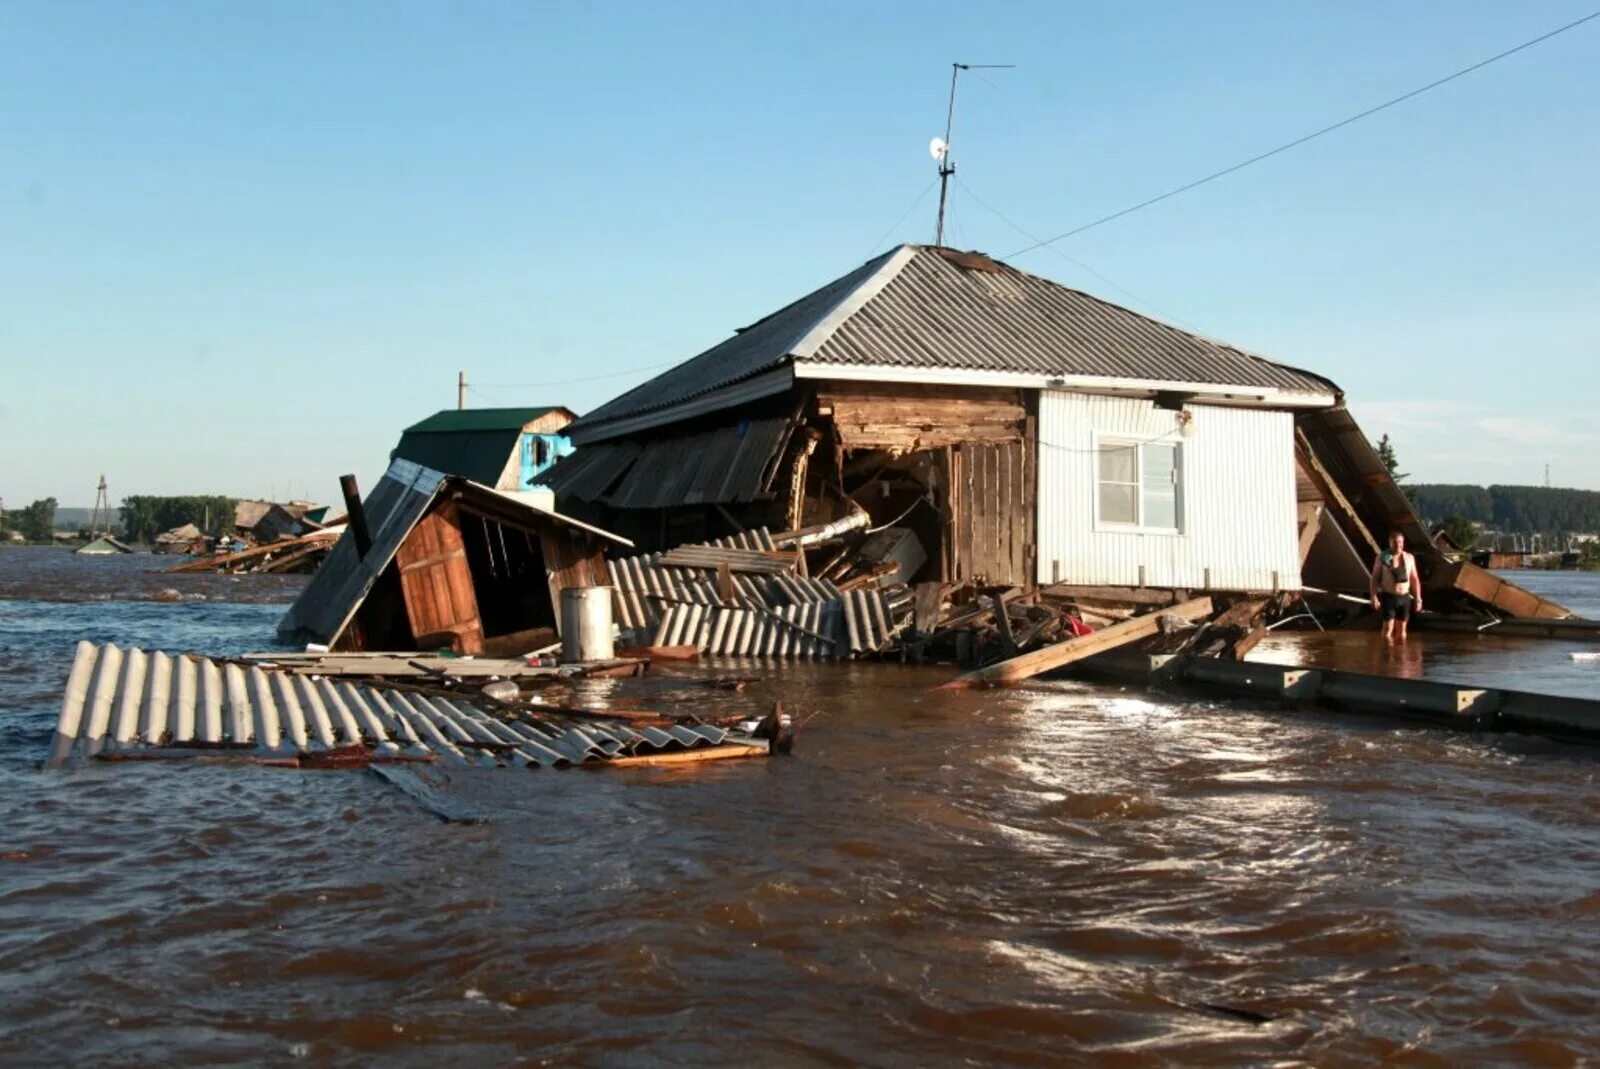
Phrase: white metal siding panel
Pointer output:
(1239, 526)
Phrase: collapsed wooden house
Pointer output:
(1027, 434)
(432, 560)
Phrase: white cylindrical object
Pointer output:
(586, 624)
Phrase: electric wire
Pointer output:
(898, 223)
(568, 382)
(1308, 137)
(992, 210)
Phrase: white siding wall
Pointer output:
(1238, 516)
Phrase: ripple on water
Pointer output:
(1058, 875)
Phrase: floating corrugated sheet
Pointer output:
(131, 703)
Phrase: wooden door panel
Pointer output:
(436, 581)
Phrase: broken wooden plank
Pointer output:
(725, 752)
(1028, 665)
(1494, 592)
(1115, 595)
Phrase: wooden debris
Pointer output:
(1028, 665)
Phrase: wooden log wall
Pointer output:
(981, 441)
(904, 417)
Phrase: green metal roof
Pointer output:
(454, 420)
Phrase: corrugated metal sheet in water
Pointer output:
(122, 701)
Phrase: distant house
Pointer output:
(503, 448)
(104, 546)
(268, 521)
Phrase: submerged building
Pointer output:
(1026, 433)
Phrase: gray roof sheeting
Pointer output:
(914, 309)
(934, 314)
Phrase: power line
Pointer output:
(898, 223)
(992, 210)
(478, 386)
(1309, 137)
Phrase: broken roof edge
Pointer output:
(729, 395)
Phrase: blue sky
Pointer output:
(242, 246)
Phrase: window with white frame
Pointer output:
(1140, 484)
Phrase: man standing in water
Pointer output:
(1396, 588)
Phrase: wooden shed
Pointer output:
(452, 563)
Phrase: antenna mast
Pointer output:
(941, 147)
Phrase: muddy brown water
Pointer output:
(1062, 874)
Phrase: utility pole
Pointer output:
(947, 167)
(461, 390)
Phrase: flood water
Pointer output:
(1059, 874)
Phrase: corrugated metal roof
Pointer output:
(587, 474)
(764, 344)
(728, 464)
(130, 703)
(934, 314)
(481, 455)
(913, 309)
(455, 420)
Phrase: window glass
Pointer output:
(1119, 503)
(1118, 462)
(1159, 482)
(1139, 484)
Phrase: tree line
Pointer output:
(1522, 509)
(36, 522)
(145, 516)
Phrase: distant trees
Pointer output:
(37, 522)
(145, 516)
(1462, 531)
(1521, 509)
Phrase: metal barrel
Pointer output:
(586, 624)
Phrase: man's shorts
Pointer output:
(1395, 606)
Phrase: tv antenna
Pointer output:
(939, 147)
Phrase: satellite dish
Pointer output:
(938, 149)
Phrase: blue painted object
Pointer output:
(538, 453)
